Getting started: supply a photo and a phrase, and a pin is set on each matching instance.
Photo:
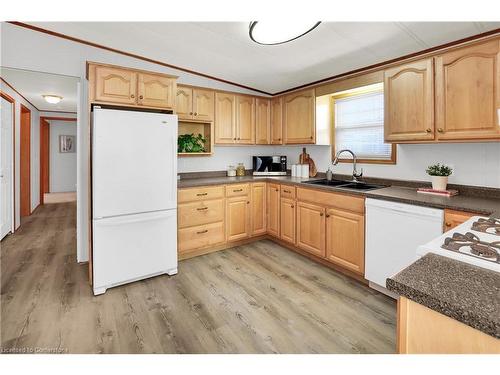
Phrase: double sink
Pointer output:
(348, 185)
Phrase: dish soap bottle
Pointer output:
(329, 174)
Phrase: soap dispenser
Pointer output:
(329, 174)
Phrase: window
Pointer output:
(359, 125)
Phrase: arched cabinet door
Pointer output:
(115, 85)
(203, 104)
(184, 103)
(468, 92)
(409, 102)
(299, 126)
(156, 91)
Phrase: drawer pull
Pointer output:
(287, 191)
(202, 208)
(292, 206)
(448, 224)
(237, 190)
(327, 215)
(203, 231)
(201, 194)
(321, 214)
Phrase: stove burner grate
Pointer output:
(491, 226)
(489, 251)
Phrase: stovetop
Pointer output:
(477, 241)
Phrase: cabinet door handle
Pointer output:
(448, 224)
(286, 191)
(141, 97)
(196, 113)
(132, 96)
(311, 137)
(321, 214)
(237, 190)
(292, 206)
(234, 139)
(202, 208)
(190, 113)
(248, 202)
(428, 130)
(203, 231)
(276, 190)
(201, 194)
(440, 130)
(327, 215)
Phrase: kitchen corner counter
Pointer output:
(456, 289)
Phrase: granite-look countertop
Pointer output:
(462, 291)
(482, 205)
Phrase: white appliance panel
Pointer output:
(134, 162)
(393, 233)
(133, 247)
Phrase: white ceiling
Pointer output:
(224, 50)
(32, 85)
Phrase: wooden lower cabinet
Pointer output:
(345, 239)
(287, 220)
(237, 218)
(311, 228)
(454, 218)
(258, 209)
(201, 236)
(273, 210)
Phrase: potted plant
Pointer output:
(191, 143)
(439, 175)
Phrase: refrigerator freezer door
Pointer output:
(133, 247)
(134, 162)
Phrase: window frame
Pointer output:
(355, 92)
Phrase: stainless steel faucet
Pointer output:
(355, 174)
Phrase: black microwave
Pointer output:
(269, 165)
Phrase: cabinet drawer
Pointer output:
(288, 191)
(337, 200)
(202, 212)
(200, 236)
(200, 193)
(237, 190)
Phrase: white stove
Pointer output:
(477, 242)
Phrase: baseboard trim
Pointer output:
(222, 246)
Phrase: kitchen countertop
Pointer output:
(478, 204)
(462, 291)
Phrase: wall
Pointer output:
(62, 165)
(46, 53)
(35, 151)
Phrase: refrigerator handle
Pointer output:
(134, 218)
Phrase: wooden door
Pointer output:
(245, 119)
(345, 239)
(409, 102)
(454, 218)
(287, 220)
(311, 228)
(262, 121)
(237, 218)
(156, 91)
(468, 92)
(203, 104)
(115, 85)
(299, 117)
(276, 121)
(273, 210)
(225, 118)
(25, 162)
(258, 205)
(184, 103)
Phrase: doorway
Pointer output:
(25, 162)
(7, 126)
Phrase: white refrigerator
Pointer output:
(134, 196)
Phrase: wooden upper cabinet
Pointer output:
(262, 121)
(184, 103)
(468, 92)
(299, 126)
(245, 119)
(273, 210)
(156, 91)
(311, 228)
(203, 104)
(409, 102)
(225, 118)
(258, 208)
(115, 85)
(345, 239)
(276, 121)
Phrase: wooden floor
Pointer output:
(258, 298)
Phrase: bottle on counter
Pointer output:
(231, 171)
(240, 169)
(329, 174)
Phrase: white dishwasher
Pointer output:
(393, 233)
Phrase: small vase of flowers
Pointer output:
(439, 175)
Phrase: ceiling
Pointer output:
(32, 85)
(224, 49)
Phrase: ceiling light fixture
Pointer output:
(52, 99)
(272, 33)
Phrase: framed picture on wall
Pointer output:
(67, 143)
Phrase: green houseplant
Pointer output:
(439, 175)
(191, 143)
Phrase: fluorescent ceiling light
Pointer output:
(52, 99)
(270, 33)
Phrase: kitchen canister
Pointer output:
(294, 170)
(304, 170)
